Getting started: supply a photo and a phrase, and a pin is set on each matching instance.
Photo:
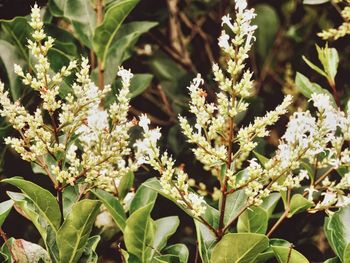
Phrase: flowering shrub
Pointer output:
(82, 137)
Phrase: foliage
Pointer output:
(136, 168)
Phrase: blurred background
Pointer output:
(182, 44)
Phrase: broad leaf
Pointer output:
(26, 207)
(75, 230)
(165, 228)
(113, 206)
(287, 254)
(330, 59)
(337, 231)
(239, 247)
(179, 250)
(270, 202)
(139, 233)
(121, 49)
(307, 88)
(253, 220)
(27, 252)
(235, 203)
(298, 204)
(44, 201)
(107, 31)
(125, 184)
(9, 56)
(5, 208)
(314, 2)
(82, 15)
(144, 196)
(206, 241)
(89, 254)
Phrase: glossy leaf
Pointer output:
(307, 87)
(82, 15)
(164, 228)
(314, 67)
(143, 197)
(27, 208)
(70, 196)
(75, 230)
(113, 206)
(298, 204)
(125, 184)
(270, 202)
(5, 208)
(9, 56)
(121, 49)
(139, 233)
(206, 241)
(253, 220)
(105, 33)
(330, 60)
(179, 250)
(44, 201)
(89, 254)
(315, 2)
(337, 231)
(239, 247)
(235, 203)
(287, 254)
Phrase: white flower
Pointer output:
(223, 40)
(144, 122)
(126, 75)
(241, 5)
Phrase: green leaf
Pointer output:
(314, 67)
(239, 247)
(287, 254)
(9, 57)
(89, 254)
(165, 228)
(139, 83)
(113, 206)
(139, 233)
(346, 255)
(44, 201)
(179, 250)
(253, 220)
(75, 230)
(106, 32)
(270, 202)
(330, 60)
(122, 48)
(307, 88)
(144, 196)
(332, 260)
(70, 196)
(17, 32)
(314, 2)
(5, 208)
(262, 159)
(268, 24)
(26, 207)
(235, 203)
(206, 241)
(125, 185)
(298, 204)
(82, 15)
(337, 230)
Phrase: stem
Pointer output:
(234, 219)
(224, 186)
(334, 90)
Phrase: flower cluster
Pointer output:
(82, 140)
(343, 29)
(177, 188)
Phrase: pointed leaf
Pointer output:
(165, 228)
(235, 203)
(106, 32)
(253, 220)
(5, 208)
(298, 204)
(239, 247)
(143, 197)
(314, 67)
(27, 252)
(113, 206)
(287, 254)
(179, 250)
(43, 199)
(75, 230)
(139, 233)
